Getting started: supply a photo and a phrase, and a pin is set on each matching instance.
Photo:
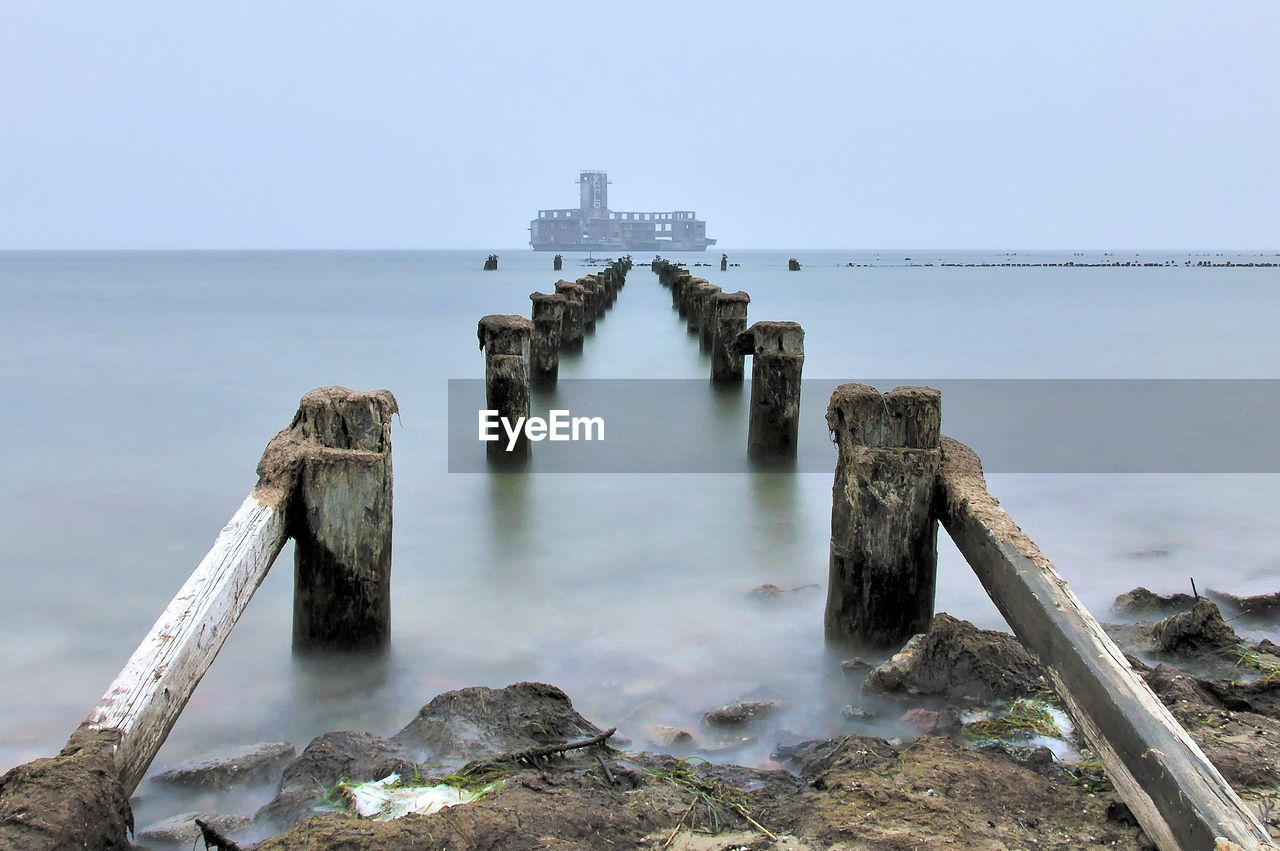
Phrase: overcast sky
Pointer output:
(784, 124)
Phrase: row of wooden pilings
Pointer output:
(719, 319)
(520, 352)
(897, 478)
(326, 482)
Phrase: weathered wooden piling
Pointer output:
(1178, 797)
(557, 263)
(491, 263)
(793, 265)
(724, 262)
(340, 521)
(544, 350)
(730, 321)
(884, 531)
(681, 280)
(695, 293)
(592, 303)
(707, 321)
(573, 322)
(777, 350)
(505, 342)
(602, 298)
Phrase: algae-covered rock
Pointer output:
(958, 660)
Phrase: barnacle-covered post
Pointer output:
(505, 342)
(777, 350)
(544, 351)
(730, 321)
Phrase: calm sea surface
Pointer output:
(141, 387)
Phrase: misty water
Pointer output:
(140, 389)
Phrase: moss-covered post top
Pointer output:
(732, 304)
(503, 334)
(903, 418)
(570, 290)
(547, 305)
(776, 339)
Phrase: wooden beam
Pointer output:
(151, 691)
(1179, 798)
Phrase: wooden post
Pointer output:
(602, 297)
(695, 295)
(592, 304)
(730, 321)
(505, 341)
(793, 265)
(557, 264)
(724, 262)
(1177, 795)
(884, 531)
(573, 322)
(544, 352)
(679, 296)
(707, 324)
(777, 350)
(340, 521)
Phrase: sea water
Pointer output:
(141, 387)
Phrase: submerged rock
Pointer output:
(1197, 631)
(1141, 601)
(958, 660)
(473, 723)
(182, 830)
(743, 712)
(329, 759)
(666, 737)
(234, 766)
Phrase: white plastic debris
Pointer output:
(383, 800)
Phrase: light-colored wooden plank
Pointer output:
(1177, 795)
(151, 691)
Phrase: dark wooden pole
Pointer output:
(340, 520)
(695, 294)
(730, 321)
(707, 322)
(884, 531)
(777, 350)
(505, 342)
(544, 351)
(590, 301)
(557, 264)
(573, 322)
(679, 285)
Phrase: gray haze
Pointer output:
(802, 124)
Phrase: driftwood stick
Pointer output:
(532, 754)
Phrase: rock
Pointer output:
(181, 829)
(1197, 631)
(958, 660)
(346, 755)
(921, 720)
(665, 737)
(743, 712)
(474, 723)
(856, 665)
(1140, 602)
(247, 764)
(856, 712)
